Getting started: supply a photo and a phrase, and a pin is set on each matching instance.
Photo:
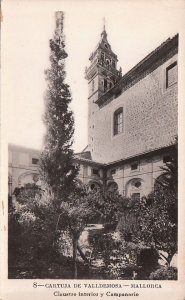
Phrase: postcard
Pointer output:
(92, 131)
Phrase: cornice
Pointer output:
(151, 62)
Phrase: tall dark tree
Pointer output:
(57, 167)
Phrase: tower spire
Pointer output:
(104, 33)
(104, 23)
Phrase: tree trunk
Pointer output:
(75, 243)
(82, 254)
(170, 256)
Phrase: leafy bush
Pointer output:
(164, 273)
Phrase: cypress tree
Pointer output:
(56, 162)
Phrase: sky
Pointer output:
(134, 28)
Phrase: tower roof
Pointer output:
(104, 33)
(103, 45)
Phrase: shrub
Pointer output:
(164, 273)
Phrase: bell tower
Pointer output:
(102, 75)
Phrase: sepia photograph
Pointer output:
(91, 100)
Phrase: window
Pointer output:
(105, 85)
(92, 186)
(113, 64)
(102, 56)
(112, 187)
(95, 172)
(134, 166)
(110, 85)
(167, 159)
(107, 62)
(93, 85)
(95, 186)
(137, 184)
(118, 121)
(35, 161)
(171, 75)
(113, 171)
(135, 196)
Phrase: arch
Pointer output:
(9, 184)
(112, 186)
(95, 185)
(107, 61)
(157, 181)
(134, 188)
(28, 177)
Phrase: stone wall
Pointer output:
(150, 119)
(21, 169)
(149, 168)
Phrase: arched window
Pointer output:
(102, 56)
(107, 62)
(94, 186)
(112, 187)
(118, 121)
(105, 85)
(110, 85)
(93, 85)
(134, 188)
